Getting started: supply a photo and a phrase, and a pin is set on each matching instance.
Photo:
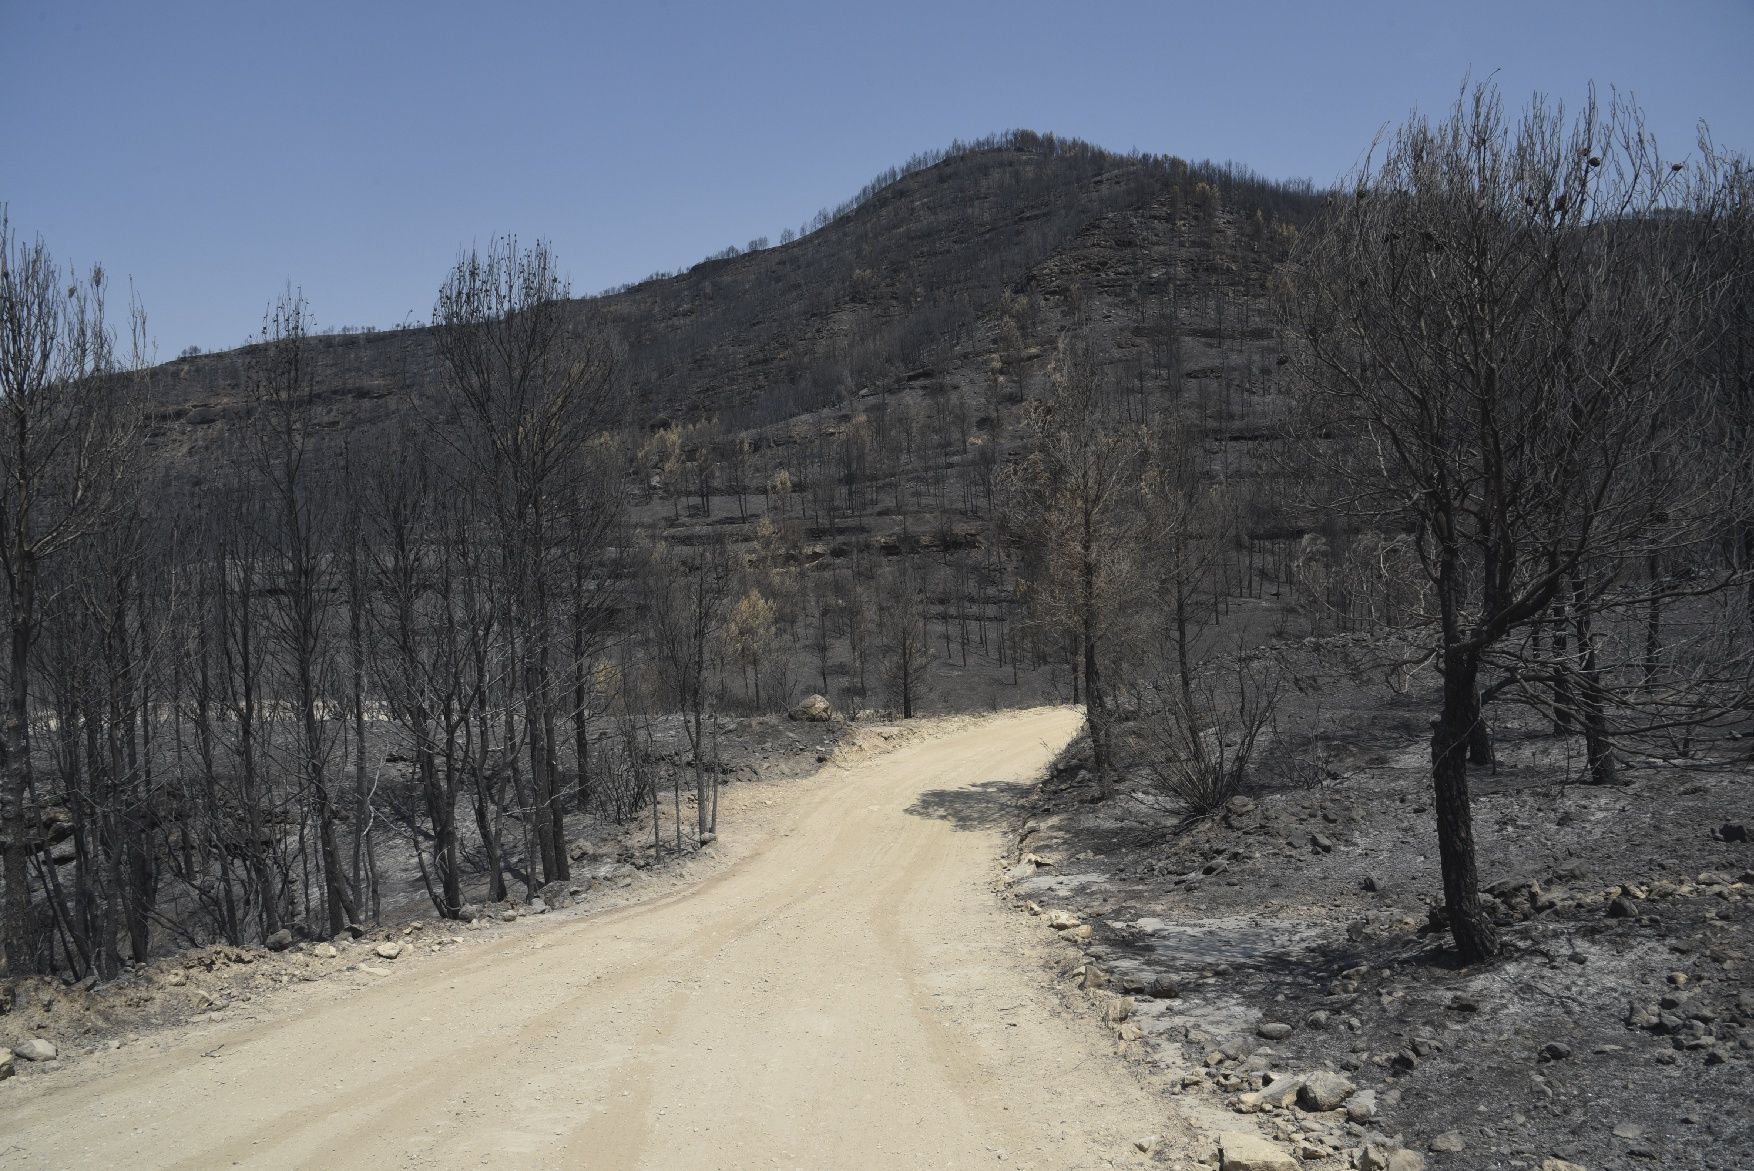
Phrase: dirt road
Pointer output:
(849, 994)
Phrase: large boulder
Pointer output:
(1323, 1091)
(814, 709)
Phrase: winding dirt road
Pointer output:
(849, 994)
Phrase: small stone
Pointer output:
(1449, 1142)
(1164, 987)
(1622, 908)
(1372, 883)
(1630, 1131)
(1250, 1152)
(325, 951)
(1678, 979)
(1372, 1158)
(1733, 831)
(1405, 1161)
(1147, 1144)
(1062, 920)
(388, 951)
(6, 1064)
(1322, 843)
(538, 906)
(279, 941)
(37, 1049)
(1462, 1002)
(1273, 1030)
(175, 979)
(1560, 1165)
(1554, 1051)
(1361, 1107)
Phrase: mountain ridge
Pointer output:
(886, 284)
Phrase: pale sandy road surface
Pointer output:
(850, 993)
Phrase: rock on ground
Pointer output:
(6, 1069)
(37, 1049)
(1324, 1091)
(814, 709)
(1282, 1092)
(389, 951)
(1250, 1152)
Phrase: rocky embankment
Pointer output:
(1285, 962)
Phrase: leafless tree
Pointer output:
(1494, 322)
(903, 645)
(301, 524)
(686, 599)
(533, 380)
(1074, 506)
(66, 404)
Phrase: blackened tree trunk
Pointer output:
(1474, 935)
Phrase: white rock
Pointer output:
(325, 951)
(388, 951)
(6, 1069)
(1250, 1152)
(813, 709)
(37, 1049)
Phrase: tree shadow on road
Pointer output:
(988, 805)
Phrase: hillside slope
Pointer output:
(907, 279)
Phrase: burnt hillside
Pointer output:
(905, 279)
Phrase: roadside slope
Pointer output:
(849, 995)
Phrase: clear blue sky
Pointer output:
(213, 152)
